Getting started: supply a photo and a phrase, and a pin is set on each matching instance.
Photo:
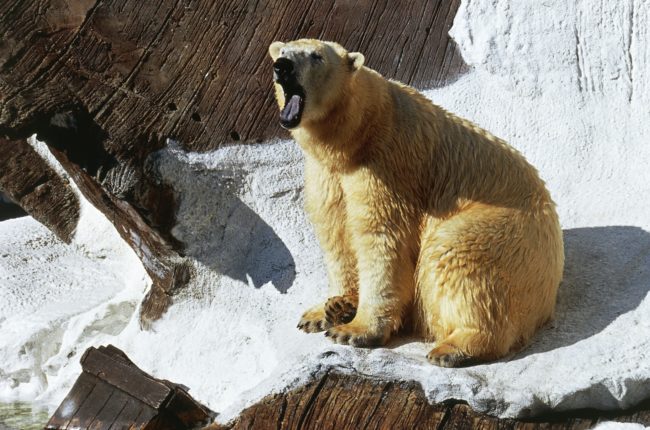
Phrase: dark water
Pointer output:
(22, 416)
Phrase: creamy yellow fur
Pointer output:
(424, 218)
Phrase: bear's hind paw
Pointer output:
(446, 355)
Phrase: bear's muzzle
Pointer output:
(283, 70)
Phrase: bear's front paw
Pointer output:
(446, 355)
(314, 320)
(340, 309)
(356, 334)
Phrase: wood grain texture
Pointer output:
(106, 82)
(66, 411)
(197, 70)
(342, 402)
(126, 377)
(113, 393)
(30, 181)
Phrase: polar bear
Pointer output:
(426, 220)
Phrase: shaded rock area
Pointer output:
(339, 401)
(105, 83)
(217, 227)
(9, 209)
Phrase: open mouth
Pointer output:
(294, 95)
(294, 103)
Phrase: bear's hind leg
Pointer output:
(466, 274)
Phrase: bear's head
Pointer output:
(310, 78)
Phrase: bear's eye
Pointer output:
(316, 56)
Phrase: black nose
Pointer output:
(282, 69)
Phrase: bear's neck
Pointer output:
(340, 138)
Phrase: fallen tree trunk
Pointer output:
(105, 83)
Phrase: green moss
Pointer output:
(22, 416)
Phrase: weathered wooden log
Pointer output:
(341, 402)
(105, 83)
(38, 188)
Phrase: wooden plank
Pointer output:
(126, 377)
(112, 392)
(111, 410)
(129, 414)
(146, 416)
(72, 402)
(93, 403)
(115, 353)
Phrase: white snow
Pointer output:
(58, 299)
(613, 425)
(564, 82)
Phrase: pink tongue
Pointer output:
(291, 108)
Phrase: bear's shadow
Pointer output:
(218, 229)
(606, 274)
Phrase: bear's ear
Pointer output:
(274, 50)
(355, 60)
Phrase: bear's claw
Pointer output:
(312, 326)
(340, 309)
(314, 321)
